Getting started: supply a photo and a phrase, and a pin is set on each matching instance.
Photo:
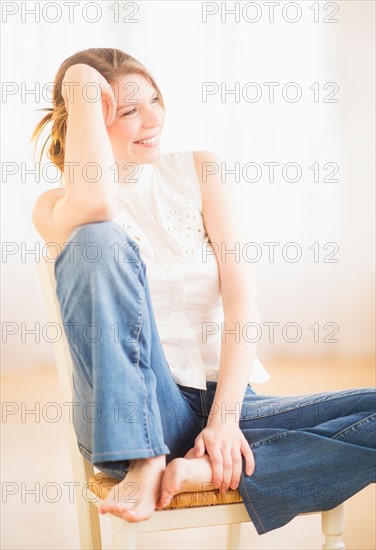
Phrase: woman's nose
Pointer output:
(153, 119)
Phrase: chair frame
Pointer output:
(124, 534)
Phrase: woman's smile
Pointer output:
(149, 142)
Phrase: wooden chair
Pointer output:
(185, 511)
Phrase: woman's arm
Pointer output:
(238, 290)
(237, 282)
(90, 192)
(89, 172)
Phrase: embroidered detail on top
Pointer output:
(185, 221)
(182, 220)
(180, 196)
(189, 227)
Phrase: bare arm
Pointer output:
(222, 437)
(88, 151)
(238, 289)
(91, 188)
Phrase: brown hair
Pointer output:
(111, 63)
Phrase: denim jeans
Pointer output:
(311, 451)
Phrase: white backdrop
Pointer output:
(184, 52)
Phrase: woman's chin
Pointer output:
(149, 154)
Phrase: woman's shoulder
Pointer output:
(50, 196)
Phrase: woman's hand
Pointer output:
(86, 75)
(225, 444)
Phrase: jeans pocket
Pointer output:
(192, 397)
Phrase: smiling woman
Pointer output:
(141, 234)
(93, 141)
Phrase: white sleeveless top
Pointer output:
(162, 212)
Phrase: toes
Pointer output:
(163, 500)
(131, 515)
(128, 514)
(110, 508)
(104, 508)
(166, 497)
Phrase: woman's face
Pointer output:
(139, 117)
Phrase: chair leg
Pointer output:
(88, 524)
(124, 534)
(233, 536)
(333, 526)
(87, 512)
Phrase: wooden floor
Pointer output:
(37, 512)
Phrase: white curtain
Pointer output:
(323, 306)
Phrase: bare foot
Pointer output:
(134, 498)
(184, 475)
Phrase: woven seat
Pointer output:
(100, 485)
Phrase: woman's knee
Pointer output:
(103, 234)
(99, 246)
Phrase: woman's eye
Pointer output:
(156, 98)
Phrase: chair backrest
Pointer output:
(62, 355)
(82, 469)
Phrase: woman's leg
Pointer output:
(126, 402)
(312, 452)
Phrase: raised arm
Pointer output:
(90, 104)
(89, 172)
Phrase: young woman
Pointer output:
(157, 298)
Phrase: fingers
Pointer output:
(108, 101)
(108, 97)
(227, 466)
(199, 448)
(249, 458)
(237, 465)
(111, 108)
(217, 466)
(232, 469)
(227, 470)
(190, 454)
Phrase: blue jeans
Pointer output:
(312, 452)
